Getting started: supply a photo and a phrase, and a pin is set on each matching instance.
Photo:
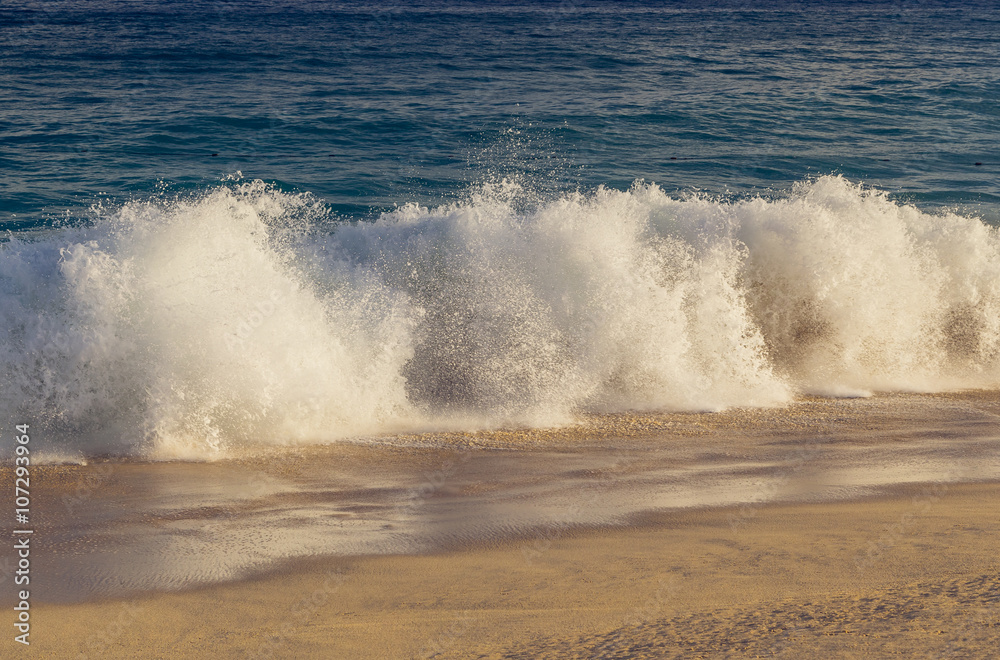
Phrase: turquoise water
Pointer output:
(241, 223)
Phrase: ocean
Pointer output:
(243, 224)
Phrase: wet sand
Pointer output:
(844, 528)
(913, 574)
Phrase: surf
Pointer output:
(189, 327)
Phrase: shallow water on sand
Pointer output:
(112, 528)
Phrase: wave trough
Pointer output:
(188, 328)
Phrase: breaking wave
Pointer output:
(244, 315)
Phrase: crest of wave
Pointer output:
(854, 292)
(246, 316)
(623, 300)
(184, 327)
(588, 302)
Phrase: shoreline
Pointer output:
(555, 539)
(906, 572)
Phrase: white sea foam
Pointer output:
(188, 327)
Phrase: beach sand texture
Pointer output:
(797, 581)
(832, 540)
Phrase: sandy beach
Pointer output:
(835, 528)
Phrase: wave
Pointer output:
(244, 316)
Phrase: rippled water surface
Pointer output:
(369, 105)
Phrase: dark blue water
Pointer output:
(369, 105)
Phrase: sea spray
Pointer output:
(245, 315)
(181, 328)
(853, 292)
